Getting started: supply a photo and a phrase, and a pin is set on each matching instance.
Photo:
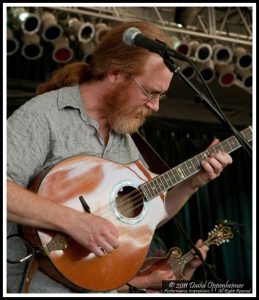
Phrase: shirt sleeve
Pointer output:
(27, 145)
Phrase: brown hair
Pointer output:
(111, 54)
(69, 75)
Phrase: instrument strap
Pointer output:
(155, 162)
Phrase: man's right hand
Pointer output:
(93, 232)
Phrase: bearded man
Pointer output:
(87, 109)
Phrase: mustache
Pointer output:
(144, 112)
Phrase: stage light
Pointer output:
(200, 52)
(207, 70)
(12, 43)
(226, 74)
(88, 49)
(245, 77)
(222, 54)
(181, 46)
(203, 53)
(29, 22)
(243, 58)
(51, 30)
(187, 69)
(62, 53)
(101, 30)
(85, 31)
(31, 48)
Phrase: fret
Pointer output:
(175, 174)
(233, 142)
(180, 170)
(204, 155)
(161, 184)
(165, 183)
(230, 146)
(207, 153)
(185, 169)
(226, 146)
(153, 187)
(196, 163)
(210, 150)
(144, 188)
(187, 257)
(169, 180)
(220, 145)
(217, 147)
(199, 158)
(190, 166)
(172, 175)
(157, 185)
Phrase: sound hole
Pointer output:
(129, 202)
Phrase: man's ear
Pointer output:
(114, 76)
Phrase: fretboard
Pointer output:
(172, 177)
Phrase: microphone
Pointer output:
(229, 223)
(133, 37)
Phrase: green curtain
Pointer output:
(227, 197)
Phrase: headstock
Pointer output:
(219, 235)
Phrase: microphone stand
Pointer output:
(204, 100)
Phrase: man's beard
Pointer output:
(121, 119)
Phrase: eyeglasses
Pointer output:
(150, 96)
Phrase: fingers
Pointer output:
(98, 251)
(107, 244)
(219, 160)
(223, 157)
(95, 233)
(198, 243)
(202, 248)
(212, 166)
(215, 163)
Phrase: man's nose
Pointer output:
(153, 104)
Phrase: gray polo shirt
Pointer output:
(42, 132)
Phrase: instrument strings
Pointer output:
(135, 197)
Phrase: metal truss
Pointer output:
(220, 24)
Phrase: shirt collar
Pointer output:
(70, 97)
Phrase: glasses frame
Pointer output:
(149, 96)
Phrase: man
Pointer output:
(92, 110)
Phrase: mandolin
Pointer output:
(129, 196)
(176, 261)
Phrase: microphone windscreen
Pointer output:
(129, 35)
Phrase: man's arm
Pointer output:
(92, 232)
